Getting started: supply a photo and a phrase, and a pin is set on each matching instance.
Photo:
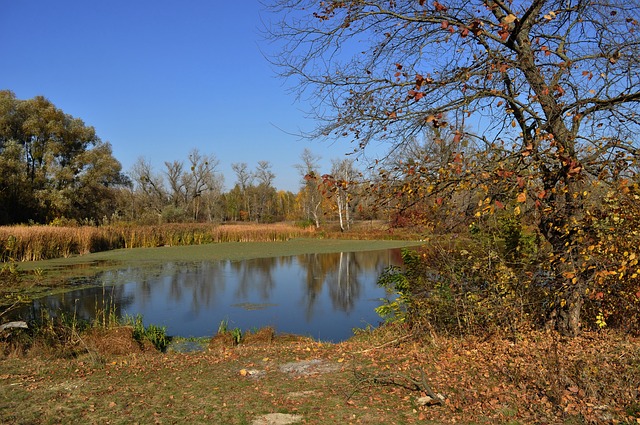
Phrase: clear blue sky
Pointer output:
(159, 78)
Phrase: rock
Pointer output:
(309, 367)
(300, 394)
(277, 419)
(252, 373)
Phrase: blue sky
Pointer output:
(159, 78)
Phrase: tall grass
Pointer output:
(33, 243)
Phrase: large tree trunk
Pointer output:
(570, 275)
(568, 315)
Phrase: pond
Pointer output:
(323, 296)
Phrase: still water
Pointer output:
(323, 296)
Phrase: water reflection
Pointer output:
(321, 295)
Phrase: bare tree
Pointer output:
(244, 180)
(202, 180)
(341, 182)
(149, 186)
(175, 176)
(551, 85)
(311, 196)
(264, 191)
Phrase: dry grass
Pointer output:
(34, 243)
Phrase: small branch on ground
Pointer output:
(397, 379)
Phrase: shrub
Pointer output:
(478, 285)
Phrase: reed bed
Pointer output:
(197, 234)
(33, 243)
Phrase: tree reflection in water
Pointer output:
(322, 295)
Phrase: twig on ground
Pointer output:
(396, 379)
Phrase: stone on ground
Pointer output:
(277, 419)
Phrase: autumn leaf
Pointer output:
(522, 197)
(439, 7)
(510, 18)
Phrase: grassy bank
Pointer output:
(374, 378)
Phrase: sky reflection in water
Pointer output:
(320, 295)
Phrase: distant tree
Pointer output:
(202, 182)
(310, 194)
(174, 171)
(244, 179)
(341, 183)
(54, 165)
(188, 194)
(284, 208)
(554, 86)
(264, 192)
(150, 193)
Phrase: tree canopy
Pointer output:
(539, 97)
(52, 165)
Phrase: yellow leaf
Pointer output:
(516, 210)
(509, 18)
(340, 360)
(243, 372)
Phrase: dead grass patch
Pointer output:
(118, 341)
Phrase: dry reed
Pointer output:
(33, 243)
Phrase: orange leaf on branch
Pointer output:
(439, 7)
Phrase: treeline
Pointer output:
(193, 191)
(54, 169)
